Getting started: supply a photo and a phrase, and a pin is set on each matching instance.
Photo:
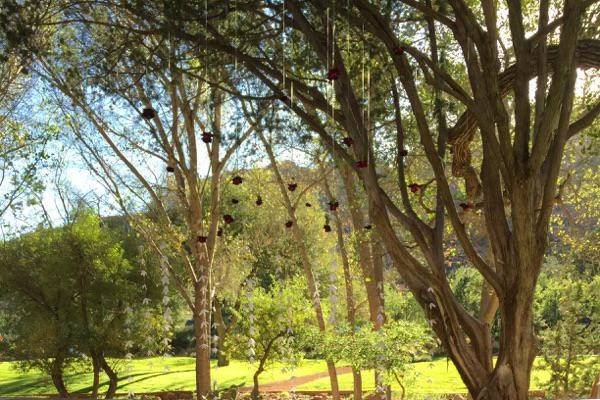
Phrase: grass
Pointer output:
(429, 377)
(177, 373)
(148, 375)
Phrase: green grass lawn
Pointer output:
(429, 377)
(148, 375)
(177, 373)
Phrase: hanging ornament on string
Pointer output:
(333, 205)
(259, 201)
(207, 137)
(148, 113)
(289, 224)
(414, 187)
(347, 141)
(292, 186)
(326, 226)
(237, 180)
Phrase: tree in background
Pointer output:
(269, 324)
(71, 292)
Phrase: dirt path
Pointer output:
(292, 383)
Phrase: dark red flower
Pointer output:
(292, 186)
(333, 205)
(361, 164)
(234, 201)
(403, 153)
(308, 204)
(414, 187)
(399, 51)
(227, 218)
(148, 113)
(289, 224)
(207, 137)
(237, 180)
(327, 228)
(333, 74)
(202, 239)
(348, 141)
(259, 201)
(170, 168)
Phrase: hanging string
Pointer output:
(283, 43)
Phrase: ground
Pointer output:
(177, 373)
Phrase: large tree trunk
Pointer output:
(113, 378)
(58, 379)
(202, 344)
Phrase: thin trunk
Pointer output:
(113, 378)
(202, 345)
(306, 262)
(350, 305)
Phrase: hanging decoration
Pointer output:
(237, 180)
(307, 204)
(333, 74)
(207, 137)
(348, 141)
(259, 201)
(234, 201)
(228, 218)
(403, 153)
(368, 226)
(167, 314)
(251, 320)
(289, 224)
(414, 187)
(148, 113)
(170, 169)
(326, 226)
(361, 164)
(333, 205)
(220, 232)
(292, 186)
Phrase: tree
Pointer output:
(513, 185)
(288, 51)
(72, 292)
(270, 321)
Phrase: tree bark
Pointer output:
(56, 374)
(202, 346)
(113, 378)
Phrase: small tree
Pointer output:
(389, 350)
(570, 340)
(270, 322)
